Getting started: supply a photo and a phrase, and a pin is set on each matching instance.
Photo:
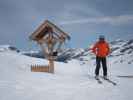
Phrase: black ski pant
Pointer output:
(99, 61)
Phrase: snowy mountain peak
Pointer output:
(4, 48)
(122, 47)
(122, 51)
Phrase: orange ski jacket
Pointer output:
(101, 49)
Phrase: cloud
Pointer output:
(19, 18)
(112, 20)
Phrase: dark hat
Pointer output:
(101, 37)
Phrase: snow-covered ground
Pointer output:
(71, 81)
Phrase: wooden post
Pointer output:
(51, 65)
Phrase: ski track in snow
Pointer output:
(71, 81)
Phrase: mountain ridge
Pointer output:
(120, 49)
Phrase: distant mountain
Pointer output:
(4, 48)
(37, 54)
(63, 56)
(121, 47)
(121, 51)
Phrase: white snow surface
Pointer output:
(71, 81)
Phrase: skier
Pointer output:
(101, 50)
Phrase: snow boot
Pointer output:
(96, 77)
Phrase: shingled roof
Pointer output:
(44, 28)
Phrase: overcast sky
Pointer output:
(84, 20)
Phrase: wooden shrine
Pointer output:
(50, 38)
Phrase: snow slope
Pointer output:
(71, 81)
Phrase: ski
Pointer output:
(125, 76)
(110, 81)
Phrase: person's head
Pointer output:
(101, 38)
